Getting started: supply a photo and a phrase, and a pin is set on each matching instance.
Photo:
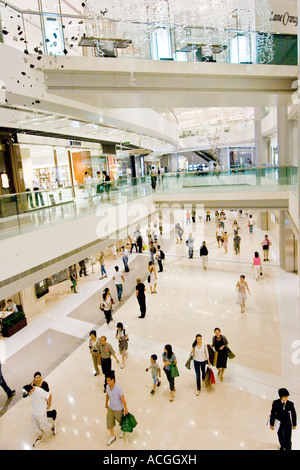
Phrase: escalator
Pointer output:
(206, 156)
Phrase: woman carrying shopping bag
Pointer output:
(169, 360)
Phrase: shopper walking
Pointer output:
(94, 346)
(123, 339)
(169, 359)
(114, 250)
(266, 244)
(225, 244)
(222, 219)
(237, 243)
(242, 288)
(140, 290)
(235, 227)
(155, 372)
(188, 217)
(219, 235)
(119, 281)
(160, 256)
(152, 278)
(124, 253)
(190, 245)
(102, 265)
(284, 412)
(219, 343)
(133, 243)
(74, 283)
(201, 358)
(153, 175)
(152, 251)
(194, 216)
(40, 401)
(256, 265)
(204, 254)
(10, 393)
(107, 183)
(82, 270)
(106, 351)
(106, 306)
(115, 404)
(139, 241)
(160, 226)
(250, 223)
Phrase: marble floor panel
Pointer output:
(232, 415)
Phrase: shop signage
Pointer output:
(284, 18)
(75, 143)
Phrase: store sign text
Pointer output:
(285, 19)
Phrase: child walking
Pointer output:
(155, 371)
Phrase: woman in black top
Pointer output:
(141, 298)
(219, 344)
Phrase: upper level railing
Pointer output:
(28, 211)
(57, 33)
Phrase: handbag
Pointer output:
(230, 354)
(174, 370)
(144, 247)
(188, 362)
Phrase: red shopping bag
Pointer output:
(212, 377)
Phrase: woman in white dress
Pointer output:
(242, 288)
(152, 278)
(114, 250)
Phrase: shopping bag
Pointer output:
(212, 377)
(128, 422)
(211, 354)
(230, 354)
(207, 379)
(133, 421)
(215, 359)
(188, 362)
(174, 370)
(144, 247)
(126, 425)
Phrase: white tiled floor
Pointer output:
(233, 414)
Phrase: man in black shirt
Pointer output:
(283, 411)
(140, 295)
(204, 254)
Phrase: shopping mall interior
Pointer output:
(131, 125)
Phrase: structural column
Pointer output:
(259, 142)
(283, 144)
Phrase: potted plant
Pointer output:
(13, 323)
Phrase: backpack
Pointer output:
(162, 255)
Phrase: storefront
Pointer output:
(50, 163)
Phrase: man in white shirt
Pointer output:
(219, 235)
(119, 279)
(39, 400)
(124, 253)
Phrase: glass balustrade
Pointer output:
(28, 211)
(56, 33)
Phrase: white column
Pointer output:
(259, 143)
(283, 133)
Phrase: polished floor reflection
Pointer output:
(233, 414)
